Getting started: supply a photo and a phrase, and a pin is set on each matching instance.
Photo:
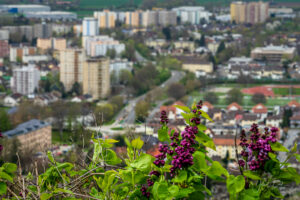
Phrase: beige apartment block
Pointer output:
(51, 43)
(71, 61)
(34, 135)
(96, 78)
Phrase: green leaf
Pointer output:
(204, 139)
(50, 157)
(10, 167)
(173, 190)
(163, 134)
(252, 175)
(160, 190)
(137, 143)
(60, 190)
(184, 108)
(199, 161)
(297, 156)
(111, 158)
(216, 169)
(273, 157)
(181, 177)
(184, 192)
(3, 188)
(46, 196)
(250, 194)
(278, 147)
(5, 176)
(294, 149)
(201, 127)
(206, 116)
(143, 163)
(235, 184)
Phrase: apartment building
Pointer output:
(71, 61)
(90, 26)
(25, 80)
(249, 12)
(52, 43)
(99, 45)
(32, 135)
(106, 19)
(273, 53)
(96, 78)
(4, 48)
(16, 53)
(192, 14)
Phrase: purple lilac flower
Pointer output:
(255, 154)
(163, 117)
(144, 192)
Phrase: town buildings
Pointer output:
(273, 53)
(52, 15)
(90, 27)
(99, 45)
(249, 12)
(22, 9)
(32, 135)
(96, 78)
(52, 43)
(4, 48)
(71, 67)
(192, 14)
(16, 53)
(106, 18)
(25, 80)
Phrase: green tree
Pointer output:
(287, 114)
(125, 77)
(234, 95)
(221, 47)
(201, 42)
(111, 53)
(76, 89)
(176, 90)
(211, 97)
(141, 110)
(259, 98)
(5, 123)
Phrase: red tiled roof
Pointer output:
(225, 141)
(153, 151)
(234, 104)
(206, 103)
(259, 108)
(267, 91)
(293, 103)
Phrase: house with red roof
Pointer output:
(234, 107)
(173, 112)
(261, 110)
(293, 104)
(206, 106)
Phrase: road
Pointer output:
(289, 142)
(127, 115)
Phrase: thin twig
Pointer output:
(12, 193)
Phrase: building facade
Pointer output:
(90, 27)
(96, 78)
(249, 12)
(273, 53)
(52, 43)
(192, 14)
(32, 135)
(26, 80)
(106, 19)
(16, 53)
(4, 48)
(71, 61)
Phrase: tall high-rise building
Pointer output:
(25, 79)
(90, 27)
(52, 43)
(249, 12)
(71, 61)
(192, 14)
(16, 53)
(96, 78)
(106, 19)
(166, 18)
(134, 19)
(4, 48)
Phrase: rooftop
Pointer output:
(26, 127)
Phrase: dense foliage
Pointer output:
(181, 170)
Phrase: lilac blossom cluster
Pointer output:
(163, 117)
(255, 152)
(181, 149)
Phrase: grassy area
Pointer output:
(117, 128)
(286, 91)
(110, 122)
(66, 137)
